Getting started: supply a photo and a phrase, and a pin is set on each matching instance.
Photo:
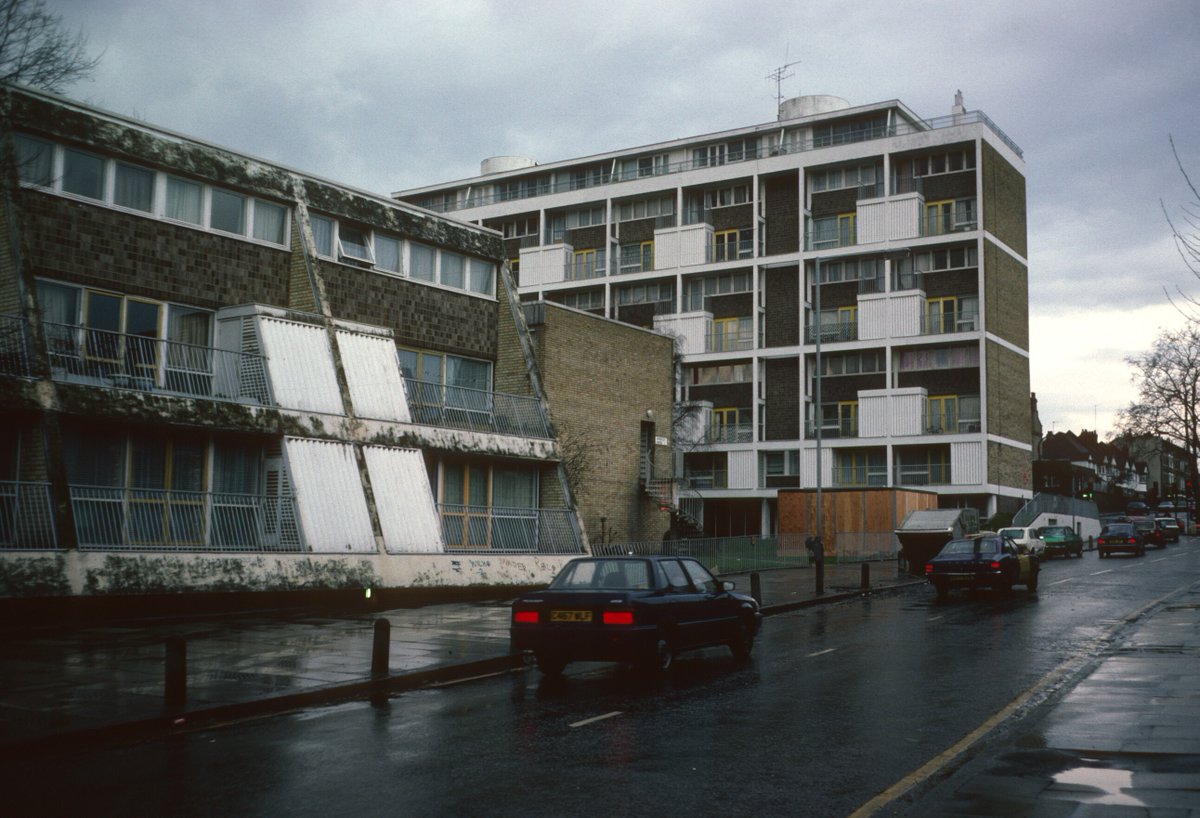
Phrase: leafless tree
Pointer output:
(1185, 230)
(36, 50)
(1167, 379)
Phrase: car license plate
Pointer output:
(570, 616)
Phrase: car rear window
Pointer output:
(970, 547)
(1013, 533)
(1119, 529)
(603, 574)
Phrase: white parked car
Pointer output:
(1026, 537)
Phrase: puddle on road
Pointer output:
(1110, 785)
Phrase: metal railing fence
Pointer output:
(477, 410)
(26, 516)
(736, 555)
(123, 361)
(15, 351)
(496, 529)
(108, 519)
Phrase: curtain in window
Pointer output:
(453, 270)
(236, 469)
(481, 276)
(322, 229)
(467, 372)
(34, 160)
(183, 200)
(269, 222)
(422, 261)
(387, 254)
(514, 488)
(133, 187)
(83, 174)
(228, 212)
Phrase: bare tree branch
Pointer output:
(35, 49)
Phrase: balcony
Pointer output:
(109, 519)
(833, 332)
(944, 225)
(832, 429)
(476, 410)
(939, 324)
(858, 476)
(831, 237)
(15, 351)
(730, 432)
(79, 354)
(739, 341)
(531, 188)
(729, 251)
(923, 474)
(26, 516)
(493, 529)
(714, 478)
(582, 269)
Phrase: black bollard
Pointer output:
(756, 587)
(866, 576)
(381, 648)
(819, 576)
(175, 683)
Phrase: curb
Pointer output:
(367, 689)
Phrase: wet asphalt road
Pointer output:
(838, 704)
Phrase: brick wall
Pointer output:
(782, 310)
(1004, 201)
(600, 377)
(1006, 302)
(1008, 410)
(783, 216)
(785, 403)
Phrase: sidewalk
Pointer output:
(68, 686)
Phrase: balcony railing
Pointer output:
(833, 429)
(833, 332)
(922, 475)
(730, 433)
(949, 424)
(493, 529)
(114, 359)
(477, 410)
(544, 186)
(583, 269)
(939, 324)
(728, 341)
(942, 225)
(109, 519)
(15, 357)
(848, 476)
(829, 238)
(729, 251)
(26, 518)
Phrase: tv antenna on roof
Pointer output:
(779, 75)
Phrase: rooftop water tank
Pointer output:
(500, 164)
(809, 105)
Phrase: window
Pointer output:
(322, 229)
(387, 254)
(587, 263)
(646, 208)
(949, 216)
(134, 188)
(453, 270)
(270, 221)
(486, 506)
(637, 258)
(183, 200)
(699, 289)
(584, 299)
(228, 212)
(942, 414)
(729, 424)
(422, 262)
(35, 160)
(939, 315)
(354, 243)
(83, 174)
(723, 373)
(854, 363)
(731, 334)
(652, 165)
(912, 360)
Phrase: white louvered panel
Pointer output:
(967, 463)
(691, 329)
(373, 374)
(872, 317)
(743, 470)
(329, 496)
(300, 366)
(873, 413)
(871, 221)
(908, 411)
(906, 313)
(403, 500)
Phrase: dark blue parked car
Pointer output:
(982, 561)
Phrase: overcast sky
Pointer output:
(391, 95)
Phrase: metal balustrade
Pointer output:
(108, 519)
(728, 341)
(833, 332)
(477, 410)
(495, 529)
(545, 186)
(81, 354)
(15, 357)
(730, 432)
(26, 516)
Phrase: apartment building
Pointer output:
(847, 287)
(218, 373)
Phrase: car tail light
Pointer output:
(618, 618)
(525, 617)
(929, 568)
(995, 565)
(1132, 539)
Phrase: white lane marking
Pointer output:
(596, 718)
(1061, 581)
(1105, 571)
(821, 652)
(936, 618)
